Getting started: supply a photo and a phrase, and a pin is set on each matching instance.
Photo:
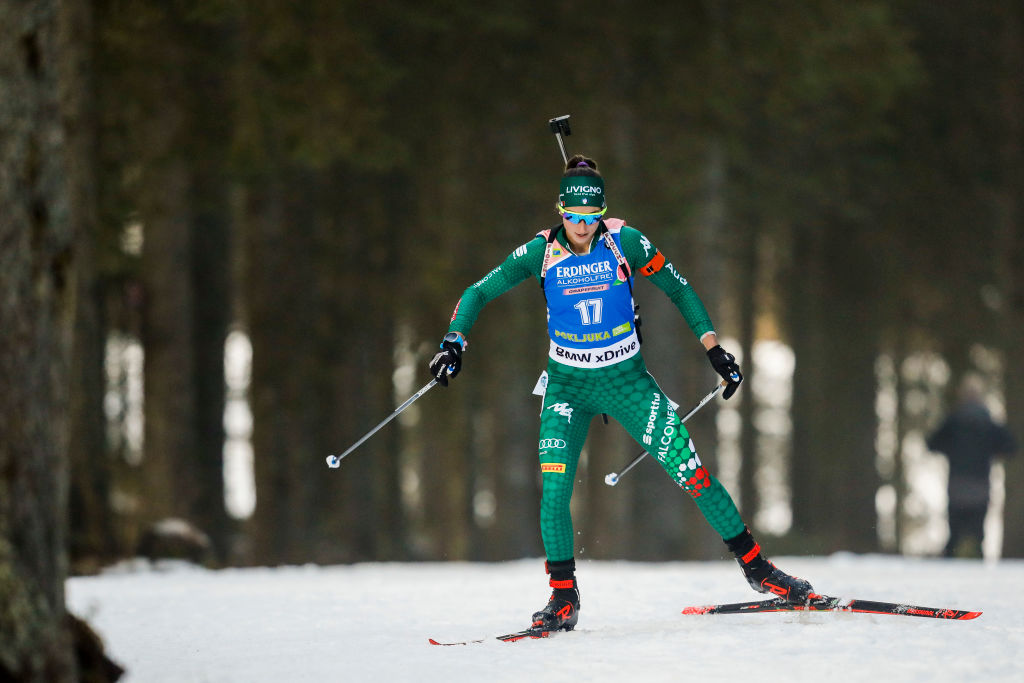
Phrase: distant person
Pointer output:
(970, 440)
(585, 266)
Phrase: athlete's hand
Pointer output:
(725, 365)
(448, 361)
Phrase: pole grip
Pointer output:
(560, 126)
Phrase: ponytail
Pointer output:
(579, 165)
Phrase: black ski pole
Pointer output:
(612, 478)
(334, 461)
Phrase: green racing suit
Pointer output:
(621, 387)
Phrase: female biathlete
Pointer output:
(585, 267)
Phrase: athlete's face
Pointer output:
(580, 234)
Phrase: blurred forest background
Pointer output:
(841, 182)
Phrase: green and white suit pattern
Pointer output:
(624, 390)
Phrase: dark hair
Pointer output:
(579, 165)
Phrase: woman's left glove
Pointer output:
(725, 365)
(448, 361)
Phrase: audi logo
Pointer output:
(551, 443)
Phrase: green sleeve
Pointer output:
(525, 261)
(639, 252)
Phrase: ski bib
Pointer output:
(590, 305)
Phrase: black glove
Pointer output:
(448, 361)
(725, 365)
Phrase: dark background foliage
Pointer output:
(327, 177)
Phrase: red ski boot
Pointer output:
(762, 575)
(563, 608)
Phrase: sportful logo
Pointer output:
(551, 443)
(519, 251)
(562, 409)
(655, 406)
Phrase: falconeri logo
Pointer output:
(667, 435)
(558, 467)
(487, 277)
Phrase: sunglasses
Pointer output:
(585, 218)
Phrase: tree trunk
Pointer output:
(168, 334)
(811, 410)
(211, 312)
(37, 278)
(847, 455)
(92, 539)
(91, 535)
(834, 422)
(180, 138)
(280, 404)
(1010, 237)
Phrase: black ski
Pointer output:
(508, 637)
(820, 603)
(825, 603)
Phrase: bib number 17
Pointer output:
(590, 311)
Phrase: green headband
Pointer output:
(582, 190)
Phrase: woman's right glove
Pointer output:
(448, 361)
(725, 365)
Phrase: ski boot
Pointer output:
(563, 608)
(765, 577)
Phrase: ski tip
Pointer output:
(698, 609)
(970, 615)
(464, 642)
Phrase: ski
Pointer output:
(819, 603)
(825, 603)
(459, 642)
(526, 633)
(508, 637)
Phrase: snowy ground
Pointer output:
(371, 622)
